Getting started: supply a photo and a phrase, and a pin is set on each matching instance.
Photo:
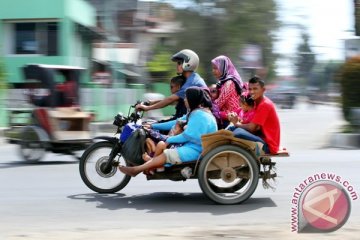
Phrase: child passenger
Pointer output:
(180, 109)
(214, 94)
(156, 143)
(245, 113)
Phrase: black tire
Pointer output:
(32, 147)
(91, 174)
(237, 186)
(228, 174)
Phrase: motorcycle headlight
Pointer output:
(119, 120)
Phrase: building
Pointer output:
(133, 29)
(48, 32)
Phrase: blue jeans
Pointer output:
(243, 134)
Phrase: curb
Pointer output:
(345, 140)
(334, 104)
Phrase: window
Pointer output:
(25, 38)
(36, 38)
(52, 30)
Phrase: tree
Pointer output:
(350, 86)
(305, 60)
(213, 28)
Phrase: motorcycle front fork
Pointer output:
(111, 161)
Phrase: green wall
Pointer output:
(71, 49)
(21, 9)
(81, 12)
(77, 10)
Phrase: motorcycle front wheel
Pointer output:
(92, 170)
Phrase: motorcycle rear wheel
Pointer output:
(91, 164)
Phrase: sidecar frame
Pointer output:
(228, 170)
(236, 164)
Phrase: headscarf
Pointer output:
(228, 72)
(196, 97)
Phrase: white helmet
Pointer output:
(188, 58)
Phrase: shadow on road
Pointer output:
(170, 202)
(25, 164)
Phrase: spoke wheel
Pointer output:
(93, 172)
(32, 146)
(228, 174)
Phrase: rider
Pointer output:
(187, 62)
(265, 125)
(200, 121)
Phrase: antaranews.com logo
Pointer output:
(321, 203)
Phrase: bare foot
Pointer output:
(146, 157)
(149, 172)
(128, 171)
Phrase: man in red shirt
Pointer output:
(265, 126)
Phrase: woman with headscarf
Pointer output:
(229, 84)
(200, 121)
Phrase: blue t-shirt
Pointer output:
(193, 80)
(200, 122)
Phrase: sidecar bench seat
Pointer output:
(222, 137)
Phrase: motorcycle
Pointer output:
(228, 170)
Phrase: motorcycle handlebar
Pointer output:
(146, 103)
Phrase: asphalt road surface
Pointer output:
(49, 200)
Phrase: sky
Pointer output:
(328, 23)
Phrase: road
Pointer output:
(49, 200)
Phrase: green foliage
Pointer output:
(3, 81)
(350, 85)
(160, 67)
(223, 28)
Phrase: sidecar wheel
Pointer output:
(228, 174)
(91, 173)
(32, 144)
